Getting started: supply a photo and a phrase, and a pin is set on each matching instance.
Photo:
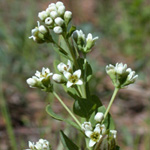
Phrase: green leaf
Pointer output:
(85, 107)
(67, 143)
(59, 118)
(72, 29)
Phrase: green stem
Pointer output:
(67, 109)
(111, 101)
(6, 115)
(71, 51)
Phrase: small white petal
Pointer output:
(67, 75)
(61, 67)
(97, 129)
(77, 73)
(91, 143)
(79, 82)
(69, 65)
(88, 133)
(69, 84)
(57, 78)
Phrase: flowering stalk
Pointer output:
(67, 109)
(111, 101)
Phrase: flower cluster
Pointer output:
(84, 44)
(73, 78)
(40, 34)
(42, 144)
(120, 75)
(56, 17)
(96, 133)
(41, 80)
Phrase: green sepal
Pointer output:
(71, 30)
(59, 118)
(67, 143)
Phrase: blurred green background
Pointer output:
(124, 30)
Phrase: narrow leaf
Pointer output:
(67, 143)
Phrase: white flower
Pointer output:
(48, 21)
(32, 82)
(42, 15)
(114, 132)
(80, 34)
(90, 38)
(57, 78)
(68, 15)
(94, 136)
(73, 78)
(86, 126)
(31, 145)
(131, 77)
(61, 10)
(99, 117)
(110, 68)
(63, 67)
(58, 4)
(58, 30)
(42, 144)
(44, 74)
(120, 68)
(36, 81)
(53, 14)
(39, 29)
(59, 21)
(120, 75)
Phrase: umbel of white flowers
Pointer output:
(41, 80)
(120, 75)
(96, 133)
(71, 78)
(56, 17)
(42, 144)
(84, 44)
(40, 34)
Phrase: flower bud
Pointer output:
(58, 4)
(33, 82)
(42, 15)
(58, 30)
(53, 14)
(86, 126)
(51, 8)
(99, 117)
(48, 21)
(90, 42)
(68, 15)
(59, 21)
(43, 29)
(57, 78)
(61, 10)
